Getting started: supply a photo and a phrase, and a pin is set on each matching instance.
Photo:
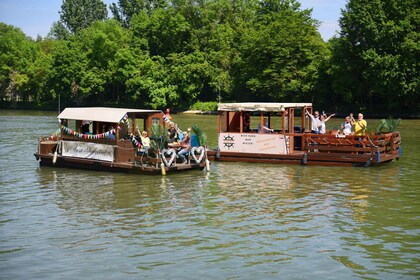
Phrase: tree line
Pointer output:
(159, 53)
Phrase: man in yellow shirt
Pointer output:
(359, 125)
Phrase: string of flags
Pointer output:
(96, 136)
(135, 142)
(87, 136)
(125, 120)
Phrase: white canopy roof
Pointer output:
(102, 114)
(258, 107)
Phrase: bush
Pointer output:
(204, 106)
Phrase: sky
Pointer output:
(35, 17)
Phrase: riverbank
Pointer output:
(31, 106)
(198, 112)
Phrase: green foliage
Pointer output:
(160, 53)
(281, 52)
(79, 14)
(158, 137)
(201, 135)
(204, 106)
(375, 60)
(388, 125)
(58, 31)
(17, 55)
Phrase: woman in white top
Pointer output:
(346, 126)
(323, 119)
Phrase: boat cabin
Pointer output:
(104, 139)
(266, 128)
(104, 126)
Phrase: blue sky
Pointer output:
(36, 16)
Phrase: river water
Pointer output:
(239, 221)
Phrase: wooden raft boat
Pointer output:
(98, 138)
(291, 140)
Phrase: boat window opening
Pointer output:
(222, 118)
(72, 125)
(155, 121)
(140, 124)
(123, 131)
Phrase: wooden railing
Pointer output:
(331, 143)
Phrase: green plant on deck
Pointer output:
(201, 135)
(158, 137)
(387, 125)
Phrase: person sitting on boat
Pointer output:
(185, 145)
(111, 133)
(316, 123)
(173, 134)
(265, 127)
(346, 126)
(145, 140)
(85, 127)
(247, 122)
(359, 125)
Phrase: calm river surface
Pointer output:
(240, 221)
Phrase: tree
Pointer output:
(58, 31)
(17, 53)
(281, 51)
(375, 60)
(79, 14)
(124, 11)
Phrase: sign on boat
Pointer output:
(100, 138)
(281, 133)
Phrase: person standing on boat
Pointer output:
(266, 129)
(323, 119)
(322, 128)
(359, 125)
(346, 126)
(316, 123)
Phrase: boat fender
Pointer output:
(217, 155)
(207, 165)
(399, 152)
(54, 160)
(305, 159)
(378, 157)
(207, 160)
(162, 168)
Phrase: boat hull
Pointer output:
(302, 158)
(135, 167)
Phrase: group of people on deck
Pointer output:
(179, 140)
(354, 127)
(318, 122)
(349, 127)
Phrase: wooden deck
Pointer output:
(328, 150)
